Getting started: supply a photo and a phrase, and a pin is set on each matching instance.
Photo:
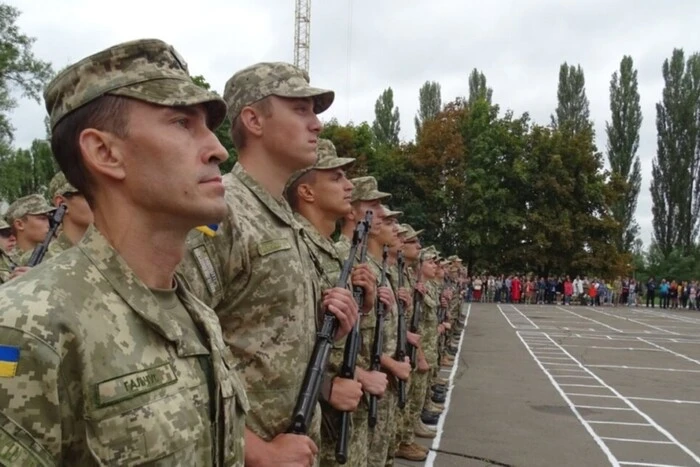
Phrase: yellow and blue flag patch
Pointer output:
(9, 357)
(209, 230)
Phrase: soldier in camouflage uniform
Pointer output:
(29, 218)
(105, 358)
(407, 448)
(255, 271)
(320, 196)
(365, 197)
(77, 218)
(7, 243)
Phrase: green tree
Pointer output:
(387, 124)
(429, 104)
(20, 70)
(623, 142)
(675, 187)
(222, 132)
(477, 87)
(572, 113)
(26, 171)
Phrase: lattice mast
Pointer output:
(302, 34)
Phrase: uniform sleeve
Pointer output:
(34, 412)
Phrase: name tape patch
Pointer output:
(140, 382)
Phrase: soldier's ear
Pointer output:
(306, 192)
(103, 153)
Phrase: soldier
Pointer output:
(77, 218)
(255, 270)
(7, 244)
(321, 196)
(29, 218)
(105, 358)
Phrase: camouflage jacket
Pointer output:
(7, 263)
(56, 246)
(96, 373)
(391, 321)
(256, 273)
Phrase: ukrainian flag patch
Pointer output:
(209, 230)
(9, 357)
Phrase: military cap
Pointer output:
(388, 213)
(30, 204)
(366, 189)
(148, 70)
(453, 258)
(327, 159)
(411, 233)
(444, 262)
(60, 186)
(429, 253)
(3, 224)
(264, 79)
(402, 229)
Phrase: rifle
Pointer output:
(352, 347)
(311, 387)
(55, 222)
(401, 340)
(417, 312)
(378, 342)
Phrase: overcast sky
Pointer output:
(360, 47)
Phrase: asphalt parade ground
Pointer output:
(547, 385)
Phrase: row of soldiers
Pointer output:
(179, 328)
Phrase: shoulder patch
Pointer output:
(9, 358)
(271, 246)
(133, 384)
(207, 269)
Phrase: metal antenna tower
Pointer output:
(302, 34)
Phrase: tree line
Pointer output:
(506, 193)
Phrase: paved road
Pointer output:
(573, 386)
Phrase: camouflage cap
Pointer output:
(327, 160)
(444, 262)
(402, 229)
(264, 79)
(366, 189)
(3, 224)
(388, 213)
(148, 70)
(30, 204)
(452, 258)
(60, 186)
(429, 253)
(411, 233)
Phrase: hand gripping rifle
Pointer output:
(352, 347)
(55, 222)
(311, 387)
(378, 342)
(417, 312)
(401, 340)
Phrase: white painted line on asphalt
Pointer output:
(524, 316)
(598, 347)
(590, 319)
(605, 422)
(596, 438)
(628, 440)
(633, 321)
(450, 385)
(673, 401)
(592, 395)
(684, 319)
(583, 385)
(595, 407)
(645, 464)
(506, 317)
(626, 367)
(560, 364)
(670, 351)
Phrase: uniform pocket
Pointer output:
(173, 430)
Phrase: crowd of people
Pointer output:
(174, 317)
(623, 291)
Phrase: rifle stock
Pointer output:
(401, 338)
(378, 341)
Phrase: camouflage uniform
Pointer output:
(34, 205)
(255, 270)
(97, 368)
(7, 263)
(134, 377)
(59, 186)
(328, 264)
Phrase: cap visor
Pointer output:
(177, 93)
(323, 98)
